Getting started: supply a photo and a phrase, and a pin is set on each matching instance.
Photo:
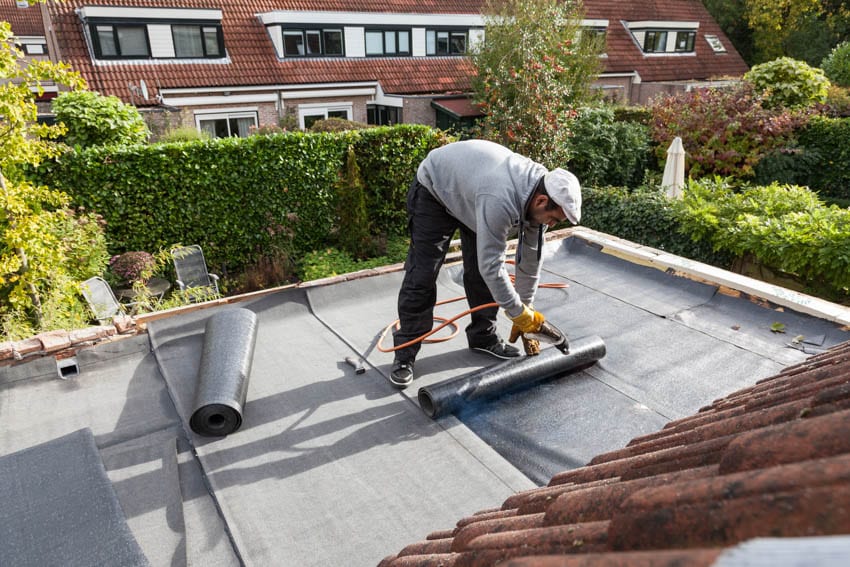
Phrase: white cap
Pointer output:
(563, 188)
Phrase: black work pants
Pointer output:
(431, 229)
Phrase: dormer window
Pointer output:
(117, 41)
(446, 42)
(118, 33)
(312, 42)
(658, 37)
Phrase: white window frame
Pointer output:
(226, 114)
(322, 109)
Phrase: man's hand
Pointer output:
(528, 321)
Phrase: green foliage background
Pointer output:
(231, 194)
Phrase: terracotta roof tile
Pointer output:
(774, 462)
(24, 21)
(253, 61)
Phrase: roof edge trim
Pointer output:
(663, 260)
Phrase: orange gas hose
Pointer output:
(446, 322)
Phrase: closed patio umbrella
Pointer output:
(674, 169)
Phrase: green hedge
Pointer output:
(239, 197)
(826, 145)
(785, 227)
(646, 216)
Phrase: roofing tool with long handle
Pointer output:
(550, 334)
(516, 373)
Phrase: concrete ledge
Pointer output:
(661, 260)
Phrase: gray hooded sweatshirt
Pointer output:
(487, 187)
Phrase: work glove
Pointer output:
(528, 321)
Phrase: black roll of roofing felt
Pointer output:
(222, 385)
(514, 374)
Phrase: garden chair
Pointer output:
(191, 268)
(101, 299)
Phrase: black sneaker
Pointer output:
(500, 349)
(402, 373)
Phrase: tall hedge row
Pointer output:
(826, 145)
(239, 197)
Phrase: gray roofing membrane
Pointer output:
(332, 467)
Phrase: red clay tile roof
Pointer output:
(624, 55)
(253, 61)
(25, 21)
(772, 460)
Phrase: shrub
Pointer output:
(836, 65)
(184, 134)
(827, 141)
(647, 216)
(131, 267)
(785, 227)
(607, 152)
(96, 120)
(724, 131)
(337, 125)
(788, 82)
(837, 103)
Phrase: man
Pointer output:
(487, 192)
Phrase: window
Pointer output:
(593, 36)
(383, 115)
(302, 43)
(387, 42)
(121, 41)
(685, 41)
(655, 41)
(715, 43)
(445, 42)
(33, 48)
(309, 114)
(223, 125)
(192, 41)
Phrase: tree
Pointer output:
(534, 67)
(773, 22)
(96, 120)
(45, 247)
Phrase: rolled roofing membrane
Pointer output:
(222, 387)
(445, 397)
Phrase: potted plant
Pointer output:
(131, 268)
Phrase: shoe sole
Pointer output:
(491, 353)
(401, 385)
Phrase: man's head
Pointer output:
(563, 188)
(557, 199)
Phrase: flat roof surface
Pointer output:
(334, 467)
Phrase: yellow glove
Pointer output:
(531, 346)
(528, 321)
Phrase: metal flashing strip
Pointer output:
(661, 260)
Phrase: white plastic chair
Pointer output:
(101, 299)
(191, 268)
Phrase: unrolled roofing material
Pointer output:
(59, 508)
(222, 389)
(444, 397)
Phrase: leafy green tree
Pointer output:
(773, 21)
(789, 83)
(45, 247)
(534, 67)
(836, 65)
(96, 120)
